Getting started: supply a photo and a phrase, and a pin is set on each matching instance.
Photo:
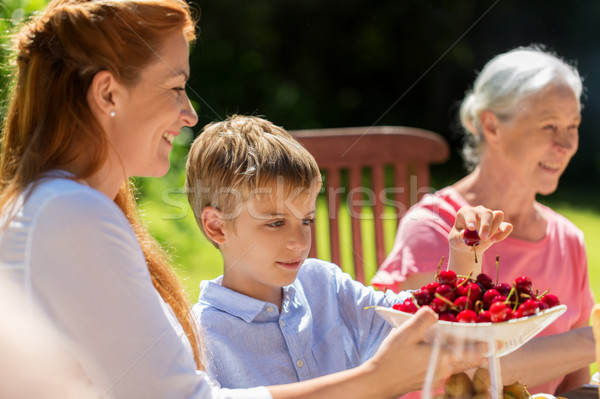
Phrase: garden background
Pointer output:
(310, 64)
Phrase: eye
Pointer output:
(277, 223)
(179, 89)
(550, 127)
(308, 221)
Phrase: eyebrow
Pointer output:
(276, 215)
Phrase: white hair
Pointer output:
(505, 81)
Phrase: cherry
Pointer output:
(499, 312)
(484, 317)
(466, 316)
(463, 303)
(523, 285)
(474, 292)
(439, 305)
(430, 288)
(407, 306)
(551, 300)
(422, 297)
(503, 288)
(446, 291)
(448, 316)
(447, 277)
(528, 307)
(542, 305)
(461, 290)
(488, 297)
(471, 237)
(485, 281)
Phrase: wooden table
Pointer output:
(583, 392)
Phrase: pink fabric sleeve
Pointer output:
(421, 241)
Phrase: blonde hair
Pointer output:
(232, 159)
(49, 122)
(507, 80)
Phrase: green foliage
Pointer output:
(12, 14)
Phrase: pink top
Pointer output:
(557, 262)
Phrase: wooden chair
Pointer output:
(381, 151)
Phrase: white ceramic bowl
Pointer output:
(509, 335)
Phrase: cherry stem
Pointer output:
(478, 306)
(443, 298)
(415, 300)
(468, 297)
(513, 290)
(465, 281)
(475, 252)
(497, 268)
(543, 294)
(437, 273)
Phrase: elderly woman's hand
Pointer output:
(489, 226)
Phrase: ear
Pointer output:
(213, 225)
(490, 126)
(102, 95)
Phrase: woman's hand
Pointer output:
(490, 227)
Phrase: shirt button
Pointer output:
(299, 363)
(270, 309)
(282, 323)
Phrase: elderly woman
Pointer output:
(522, 119)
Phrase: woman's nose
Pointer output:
(188, 114)
(566, 142)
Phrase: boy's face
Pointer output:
(268, 242)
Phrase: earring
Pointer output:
(112, 113)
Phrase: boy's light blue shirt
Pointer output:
(322, 328)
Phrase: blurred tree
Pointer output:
(308, 64)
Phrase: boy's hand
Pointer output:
(488, 224)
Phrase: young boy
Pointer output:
(274, 316)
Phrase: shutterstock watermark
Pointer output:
(393, 201)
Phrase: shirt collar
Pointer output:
(239, 305)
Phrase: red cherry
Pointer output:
(542, 305)
(431, 287)
(510, 314)
(528, 307)
(485, 281)
(447, 277)
(498, 312)
(503, 288)
(551, 300)
(448, 316)
(471, 237)
(466, 316)
(488, 297)
(422, 297)
(463, 303)
(461, 290)
(407, 306)
(446, 291)
(439, 305)
(484, 317)
(523, 285)
(474, 292)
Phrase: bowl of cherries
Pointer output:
(478, 308)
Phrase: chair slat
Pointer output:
(408, 150)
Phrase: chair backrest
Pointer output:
(381, 152)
